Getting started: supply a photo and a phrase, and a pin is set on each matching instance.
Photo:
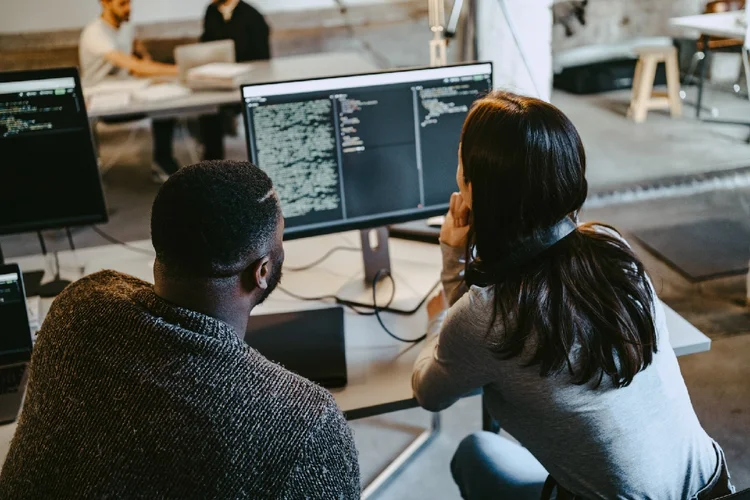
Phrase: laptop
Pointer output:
(194, 55)
(308, 343)
(15, 342)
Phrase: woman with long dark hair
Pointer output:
(559, 325)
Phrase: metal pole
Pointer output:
(403, 458)
(439, 44)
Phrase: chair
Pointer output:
(643, 98)
(718, 44)
(716, 7)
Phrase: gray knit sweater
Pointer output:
(132, 397)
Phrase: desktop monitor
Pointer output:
(364, 151)
(48, 169)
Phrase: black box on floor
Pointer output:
(602, 76)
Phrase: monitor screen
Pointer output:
(15, 335)
(48, 169)
(364, 150)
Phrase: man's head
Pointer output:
(218, 224)
(118, 10)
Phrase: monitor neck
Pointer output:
(376, 254)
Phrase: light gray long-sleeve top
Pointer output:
(642, 441)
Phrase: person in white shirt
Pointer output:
(108, 48)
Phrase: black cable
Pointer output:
(377, 309)
(385, 307)
(41, 243)
(322, 259)
(54, 254)
(321, 298)
(115, 241)
(306, 299)
(70, 239)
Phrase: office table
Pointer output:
(276, 70)
(726, 25)
(379, 367)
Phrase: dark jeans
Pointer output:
(162, 132)
(214, 127)
(212, 136)
(211, 131)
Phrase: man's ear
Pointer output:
(260, 271)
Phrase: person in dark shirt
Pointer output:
(240, 22)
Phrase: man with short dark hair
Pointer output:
(108, 48)
(150, 392)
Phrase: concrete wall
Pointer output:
(611, 21)
(393, 33)
(22, 16)
(532, 23)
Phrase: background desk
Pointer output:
(379, 368)
(725, 24)
(275, 70)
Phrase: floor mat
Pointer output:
(701, 250)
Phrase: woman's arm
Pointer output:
(456, 361)
(454, 266)
(453, 242)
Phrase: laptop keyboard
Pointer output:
(10, 379)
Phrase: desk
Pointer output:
(275, 70)
(379, 368)
(725, 24)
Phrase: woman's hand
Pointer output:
(436, 305)
(455, 229)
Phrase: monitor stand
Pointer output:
(414, 281)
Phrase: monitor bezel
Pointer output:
(102, 215)
(377, 221)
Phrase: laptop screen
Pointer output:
(15, 336)
(308, 343)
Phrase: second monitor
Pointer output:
(362, 151)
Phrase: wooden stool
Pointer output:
(643, 98)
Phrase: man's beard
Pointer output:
(274, 279)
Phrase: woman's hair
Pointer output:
(584, 304)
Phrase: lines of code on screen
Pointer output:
(42, 111)
(47, 162)
(296, 147)
(442, 111)
(365, 152)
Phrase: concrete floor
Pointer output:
(620, 153)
